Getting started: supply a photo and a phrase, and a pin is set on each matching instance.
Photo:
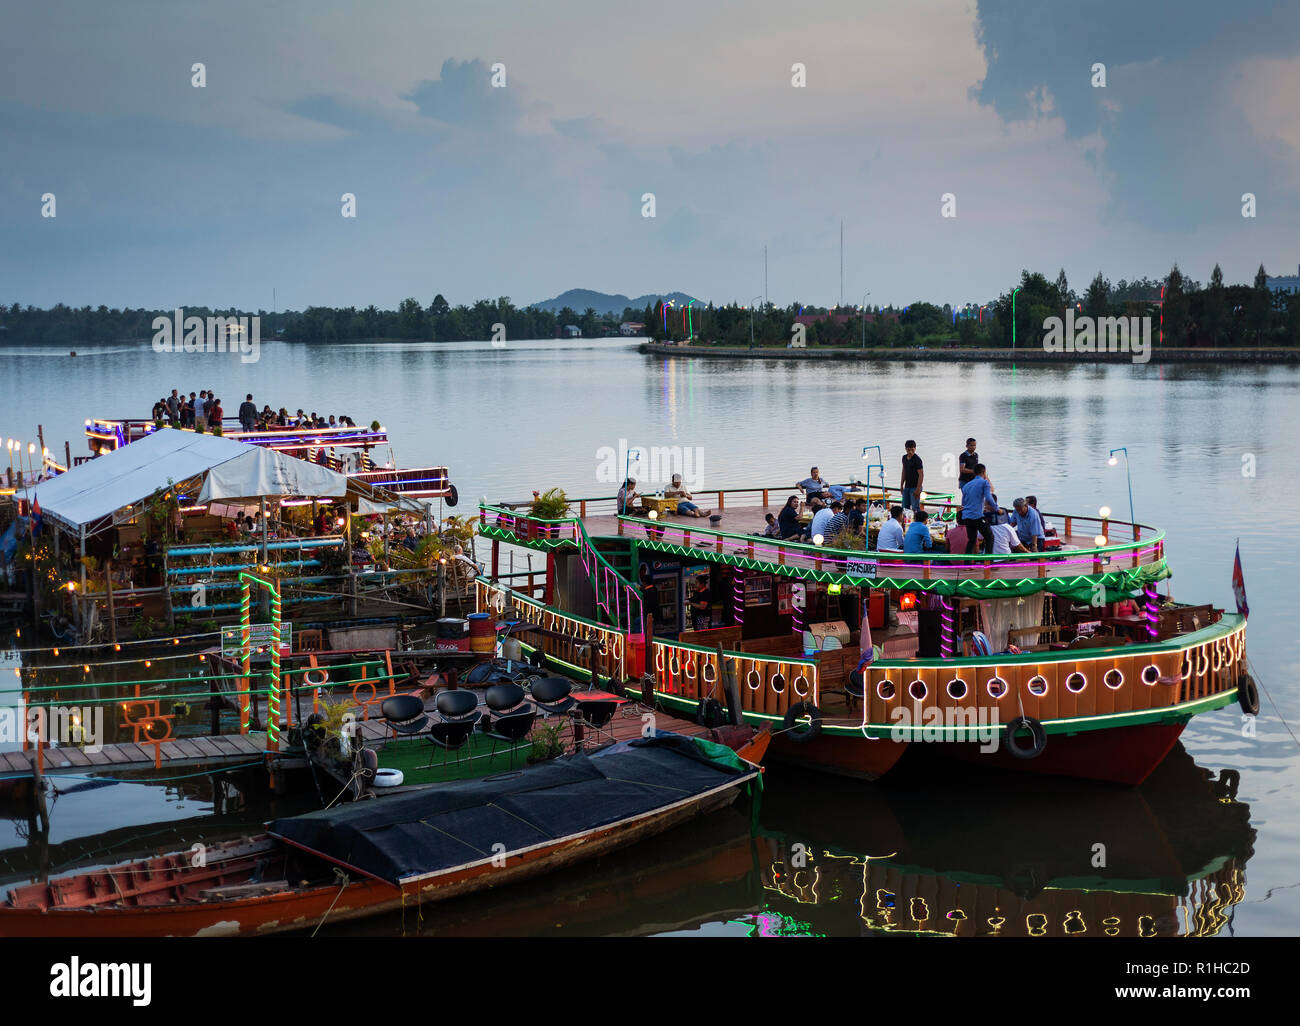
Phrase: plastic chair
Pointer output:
(404, 713)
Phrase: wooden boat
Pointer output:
(1008, 650)
(422, 846)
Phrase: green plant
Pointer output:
(208, 626)
(552, 504)
(144, 626)
(546, 743)
(374, 425)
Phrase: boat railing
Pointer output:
(1137, 545)
(107, 434)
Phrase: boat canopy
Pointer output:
(429, 831)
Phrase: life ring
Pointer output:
(453, 496)
(804, 732)
(1014, 747)
(709, 713)
(1248, 694)
(322, 672)
(387, 778)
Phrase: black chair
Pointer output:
(504, 698)
(553, 695)
(405, 714)
(514, 719)
(460, 712)
(458, 704)
(596, 714)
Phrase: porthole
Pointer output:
(1075, 683)
(1037, 685)
(957, 689)
(754, 680)
(1150, 674)
(996, 687)
(778, 683)
(918, 690)
(1113, 679)
(885, 690)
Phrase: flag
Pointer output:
(864, 641)
(36, 517)
(1239, 584)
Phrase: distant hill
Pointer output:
(604, 303)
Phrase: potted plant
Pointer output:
(551, 504)
(546, 744)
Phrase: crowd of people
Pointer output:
(204, 412)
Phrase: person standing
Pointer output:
(215, 415)
(201, 411)
(974, 494)
(701, 604)
(174, 408)
(912, 476)
(248, 413)
(966, 464)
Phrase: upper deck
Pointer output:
(1091, 547)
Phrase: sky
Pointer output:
(230, 195)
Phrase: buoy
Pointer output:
(1248, 695)
(1038, 738)
(802, 732)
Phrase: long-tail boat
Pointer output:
(1065, 661)
(419, 847)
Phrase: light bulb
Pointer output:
(1113, 460)
(818, 539)
(1099, 541)
(1104, 512)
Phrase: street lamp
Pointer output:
(864, 319)
(752, 303)
(690, 322)
(1113, 461)
(1013, 324)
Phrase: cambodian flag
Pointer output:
(1239, 584)
(36, 517)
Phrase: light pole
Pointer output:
(1013, 324)
(1115, 460)
(690, 321)
(864, 319)
(752, 303)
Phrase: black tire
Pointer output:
(804, 733)
(453, 496)
(709, 713)
(1013, 746)
(1248, 695)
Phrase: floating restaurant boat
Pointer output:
(344, 449)
(422, 846)
(1069, 659)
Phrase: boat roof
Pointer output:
(454, 826)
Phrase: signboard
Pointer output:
(861, 567)
(259, 636)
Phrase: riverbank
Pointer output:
(877, 355)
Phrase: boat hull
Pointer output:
(304, 909)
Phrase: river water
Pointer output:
(923, 850)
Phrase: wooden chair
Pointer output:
(309, 641)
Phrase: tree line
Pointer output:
(1214, 314)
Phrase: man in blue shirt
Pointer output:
(974, 493)
(1029, 526)
(815, 485)
(890, 538)
(918, 537)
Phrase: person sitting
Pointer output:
(820, 521)
(410, 541)
(890, 538)
(857, 514)
(629, 499)
(1005, 540)
(685, 507)
(788, 519)
(773, 529)
(975, 494)
(918, 537)
(838, 522)
(1029, 525)
(813, 485)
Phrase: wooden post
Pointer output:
(496, 558)
(67, 455)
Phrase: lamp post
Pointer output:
(690, 322)
(752, 303)
(1127, 473)
(1013, 324)
(864, 319)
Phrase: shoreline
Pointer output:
(1158, 355)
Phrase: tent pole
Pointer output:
(262, 500)
(83, 559)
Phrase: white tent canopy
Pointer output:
(88, 495)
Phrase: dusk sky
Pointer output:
(168, 194)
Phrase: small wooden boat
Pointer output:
(372, 857)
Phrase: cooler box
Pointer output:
(837, 629)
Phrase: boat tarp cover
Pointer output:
(423, 832)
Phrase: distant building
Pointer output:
(1289, 284)
(631, 328)
(572, 331)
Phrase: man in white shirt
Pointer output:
(820, 522)
(1006, 541)
(890, 538)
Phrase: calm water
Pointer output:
(535, 414)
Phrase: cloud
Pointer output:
(463, 94)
